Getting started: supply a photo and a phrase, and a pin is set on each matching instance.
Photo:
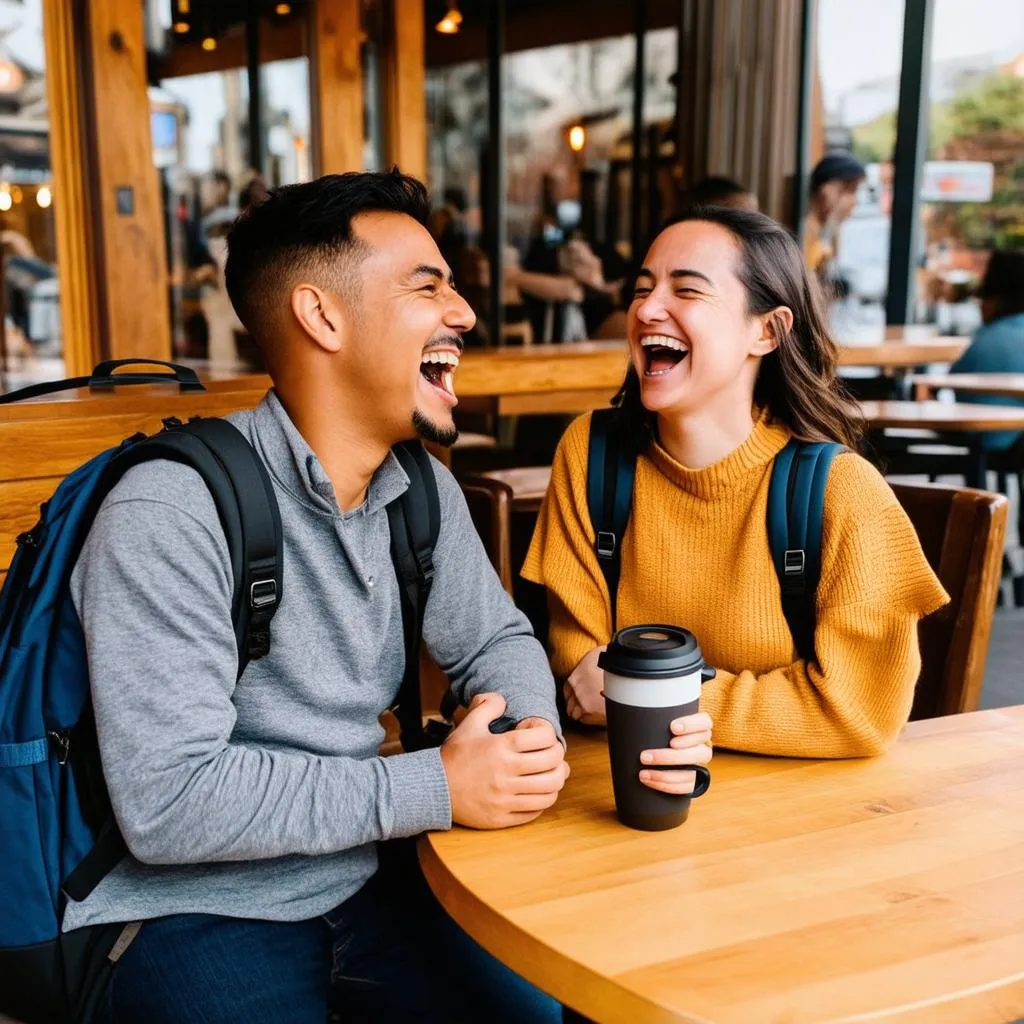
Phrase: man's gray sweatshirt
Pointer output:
(265, 799)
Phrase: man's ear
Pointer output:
(319, 315)
(775, 325)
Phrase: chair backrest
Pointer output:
(42, 441)
(490, 504)
(962, 532)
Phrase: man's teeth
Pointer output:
(449, 358)
(448, 380)
(662, 341)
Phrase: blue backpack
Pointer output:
(796, 501)
(58, 836)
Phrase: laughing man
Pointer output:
(264, 830)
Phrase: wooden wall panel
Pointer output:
(336, 81)
(79, 301)
(404, 74)
(738, 95)
(125, 198)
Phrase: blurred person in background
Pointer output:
(998, 345)
(833, 195)
(719, 191)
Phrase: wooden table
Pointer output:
(884, 889)
(1005, 385)
(943, 415)
(903, 354)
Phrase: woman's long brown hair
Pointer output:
(797, 383)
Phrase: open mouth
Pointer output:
(437, 368)
(662, 354)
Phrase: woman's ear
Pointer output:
(775, 325)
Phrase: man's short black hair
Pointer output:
(303, 230)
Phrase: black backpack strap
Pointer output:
(415, 522)
(610, 475)
(243, 494)
(796, 503)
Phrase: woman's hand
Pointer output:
(690, 744)
(584, 691)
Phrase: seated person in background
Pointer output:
(998, 346)
(255, 814)
(730, 358)
(717, 191)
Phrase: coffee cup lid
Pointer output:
(652, 652)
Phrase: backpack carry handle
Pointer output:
(185, 377)
(103, 377)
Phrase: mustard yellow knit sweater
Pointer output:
(696, 554)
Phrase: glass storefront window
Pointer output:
(202, 151)
(973, 190)
(30, 331)
(857, 63)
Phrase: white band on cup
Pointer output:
(653, 693)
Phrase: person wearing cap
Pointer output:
(833, 195)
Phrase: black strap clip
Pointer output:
(262, 595)
(794, 571)
(606, 544)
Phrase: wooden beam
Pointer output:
(279, 40)
(404, 75)
(79, 297)
(125, 200)
(560, 21)
(336, 80)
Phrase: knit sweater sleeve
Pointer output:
(876, 584)
(562, 558)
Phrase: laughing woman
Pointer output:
(730, 358)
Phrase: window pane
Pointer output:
(570, 145)
(973, 192)
(201, 147)
(30, 330)
(856, 92)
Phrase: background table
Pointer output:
(1005, 385)
(943, 415)
(889, 888)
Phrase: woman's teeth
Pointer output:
(663, 341)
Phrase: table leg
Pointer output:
(977, 470)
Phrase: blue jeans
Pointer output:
(389, 953)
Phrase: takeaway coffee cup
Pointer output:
(652, 675)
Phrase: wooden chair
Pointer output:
(962, 532)
(504, 504)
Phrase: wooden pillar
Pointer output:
(337, 85)
(739, 95)
(125, 201)
(404, 74)
(79, 294)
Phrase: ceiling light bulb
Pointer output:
(6, 202)
(181, 27)
(44, 197)
(450, 23)
(283, 9)
(577, 138)
(209, 43)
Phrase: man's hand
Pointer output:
(584, 691)
(498, 781)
